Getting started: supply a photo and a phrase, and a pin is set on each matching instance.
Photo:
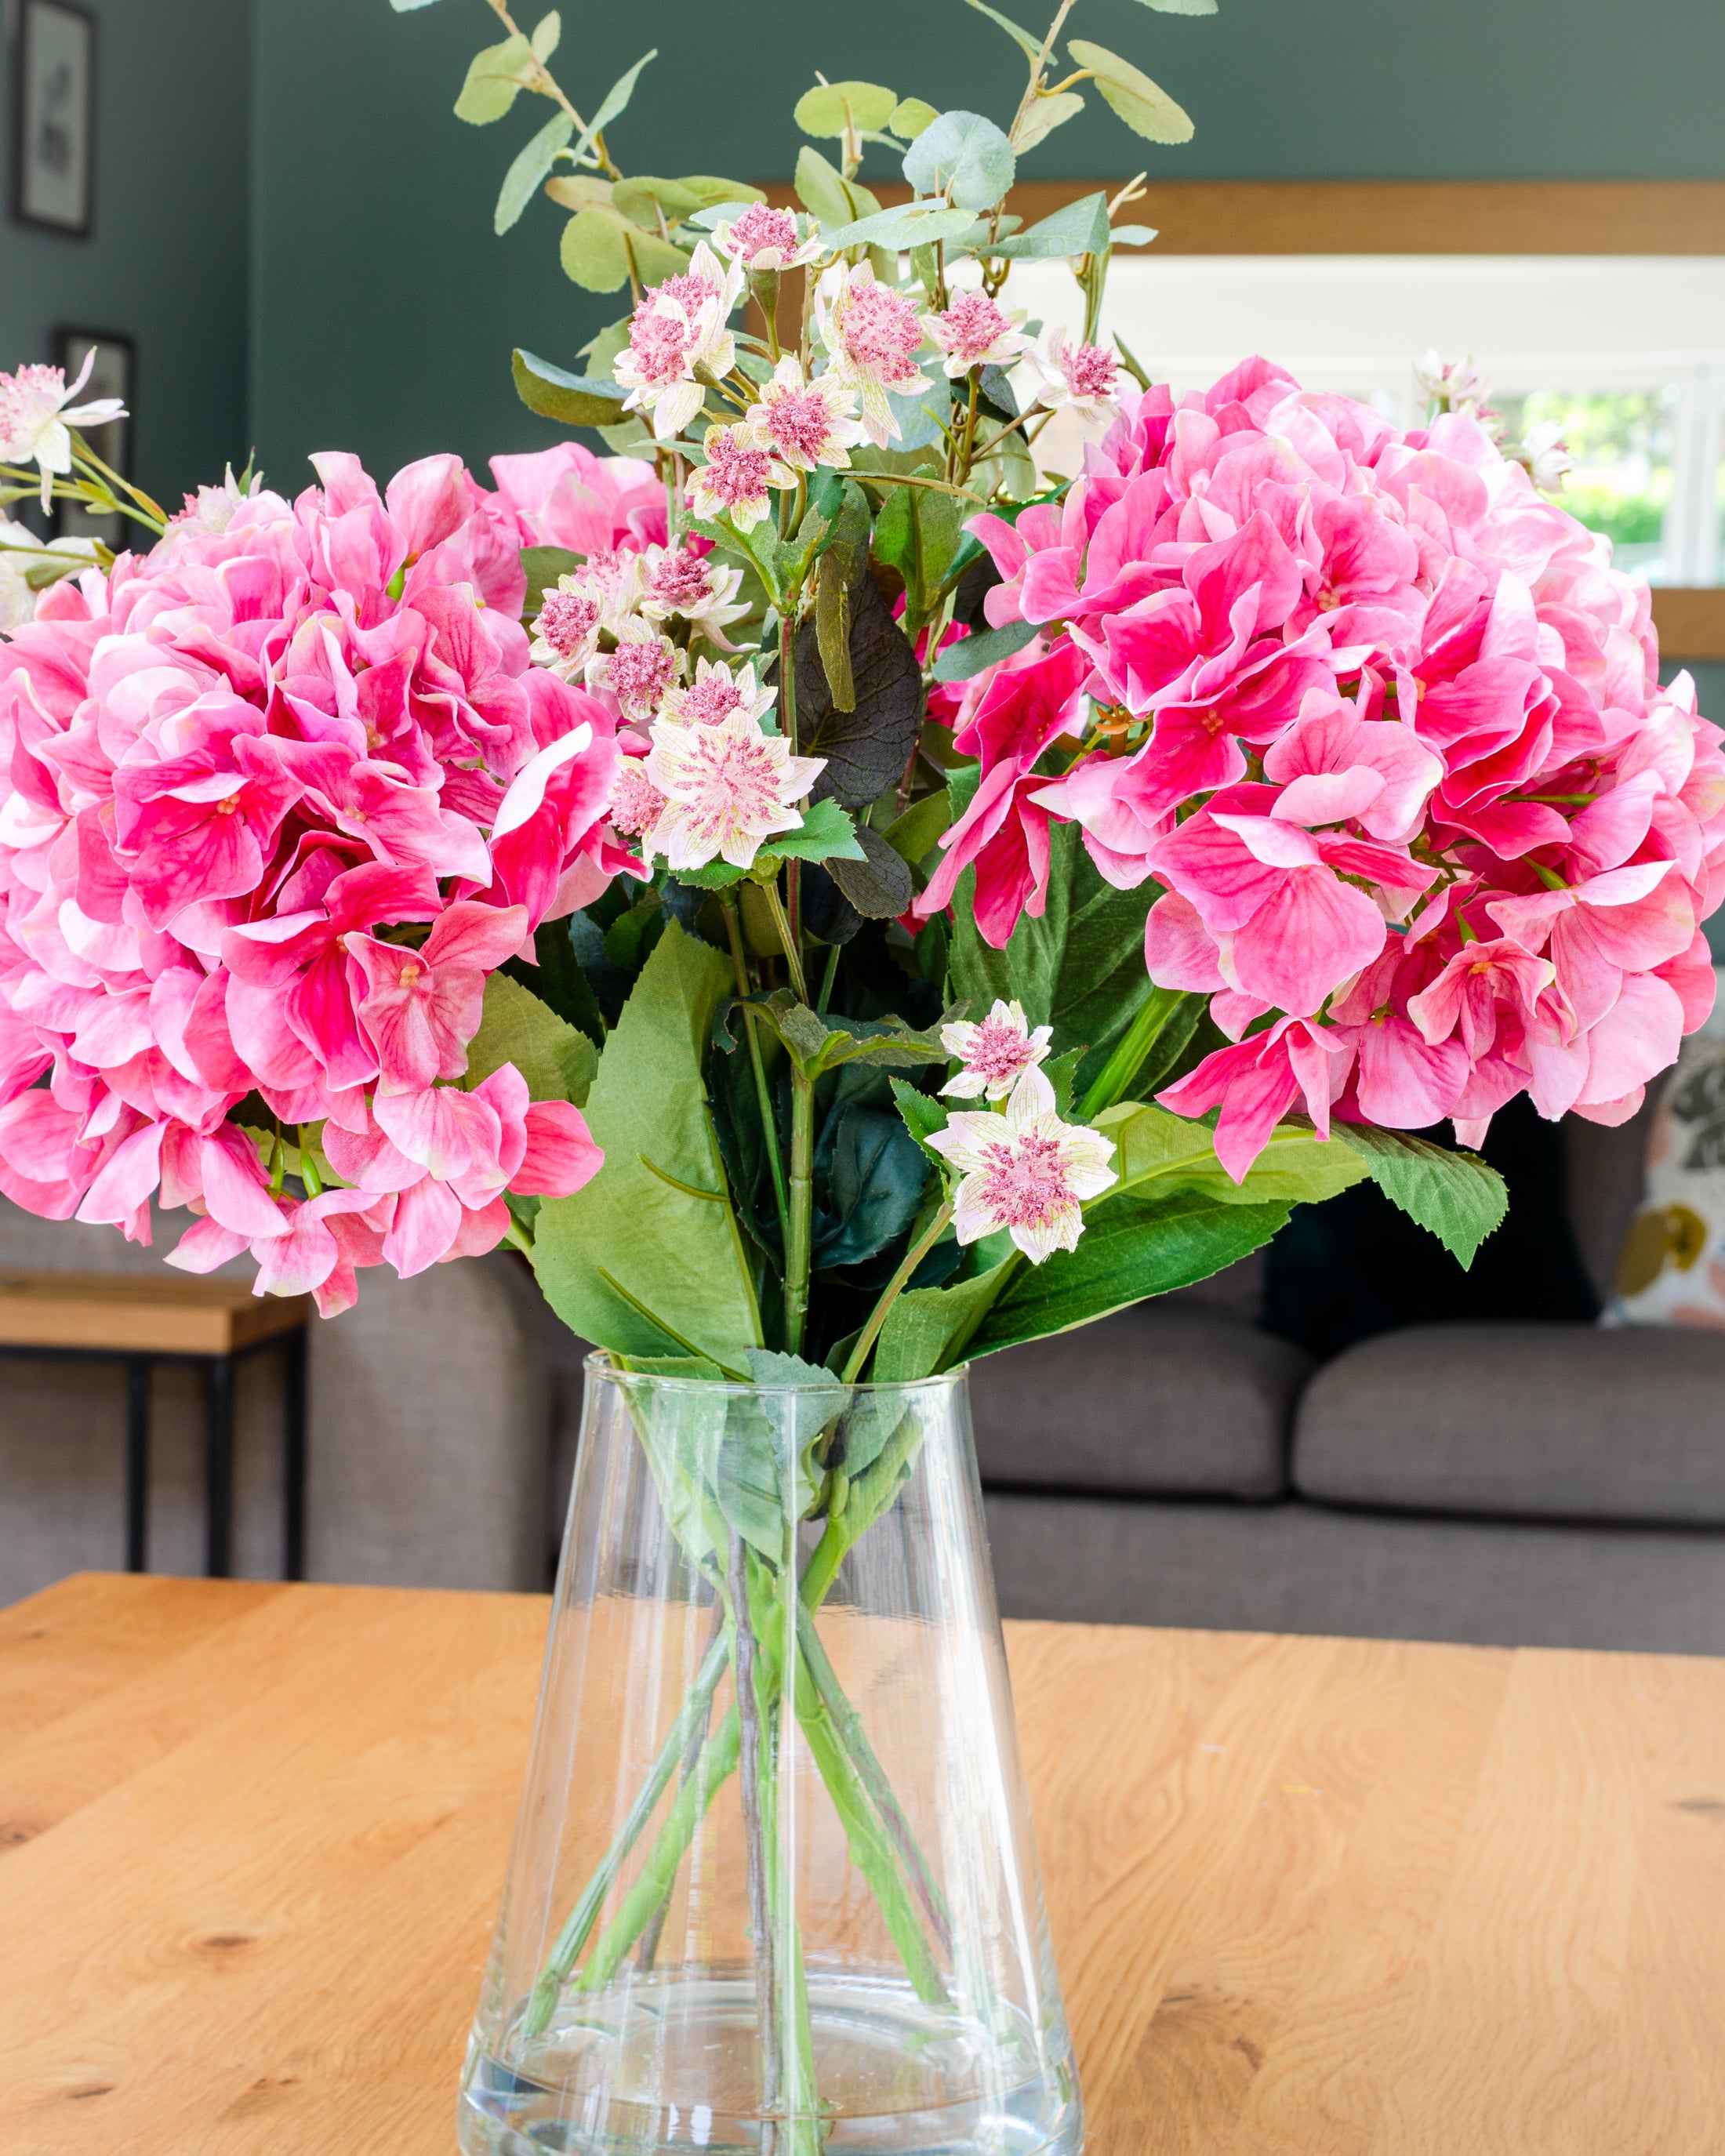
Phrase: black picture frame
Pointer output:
(116, 374)
(54, 100)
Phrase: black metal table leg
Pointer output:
(293, 1458)
(137, 1463)
(218, 1466)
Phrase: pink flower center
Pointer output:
(639, 670)
(713, 698)
(567, 620)
(799, 422)
(659, 343)
(691, 292)
(635, 800)
(998, 1050)
(738, 783)
(1092, 372)
(680, 580)
(970, 326)
(879, 333)
(1024, 1181)
(759, 228)
(734, 475)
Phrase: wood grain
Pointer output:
(1690, 622)
(1311, 1897)
(147, 1313)
(1395, 217)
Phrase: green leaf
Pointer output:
(868, 1176)
(963, 157)
(521, 181)
(1131, 235)
(748, 1481)
(1181, 6)
(918, 533)
(614, 102)
(916, 832)
(1079, 969)
(547, 32)
(559, 981)
(593, 251)
(910, 116)
(406, 6)
(1145, 107)
(984, 647)
(1132, 1247)
(1081, 227)
(577, 400)
(647, 1258)
(824, 191)
(1154, 1146)
(879, 885)
(827, 835)
(542, 566)
(1031, 47)
(924, 1325)
(1455, 1196)
(654, 259)
(1044, 114)
(835, 107)
(905, 225)
(711, 192)
(495, 78)
(558, 1063)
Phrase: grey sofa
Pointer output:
(1547, 1485)
(1543, 1485)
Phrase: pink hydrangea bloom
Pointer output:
(1387, 727)
(281, 794)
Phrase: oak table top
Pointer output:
(1310, 1897)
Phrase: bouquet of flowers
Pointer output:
(839, 900)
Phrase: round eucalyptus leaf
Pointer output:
(964, 157)
(834, 106)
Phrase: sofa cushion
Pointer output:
(1163, 1398)
(1549, 1422)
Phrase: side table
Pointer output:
(140, 1319)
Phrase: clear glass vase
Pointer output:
(774, 1887)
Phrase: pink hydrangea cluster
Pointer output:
(279, 796)
(1386, 728)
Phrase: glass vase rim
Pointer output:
(597, 1364)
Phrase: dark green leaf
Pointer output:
(866, 748)
(1156, 1150)
(827, 835)
(869, 1178)
(879, 885)
(985, 647)
(915, 834)
(647, 1257)
(1455, 1196)
(558, 980)
(923, 1114)
(577, 400)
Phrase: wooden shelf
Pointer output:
(142, 1313)
(1691, 623)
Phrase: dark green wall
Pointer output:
(385, 308)
(167, 260)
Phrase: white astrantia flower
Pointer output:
(35, 419)
(718, 692)
(872, 337)
(1055, 373)
(639, 669)
(764, 239)
(804, 424)
(678, 328)
(1546, 456)
(565, 630)
(976, 332)
(676, 580)
(995, 1053)
(728, 787)
(1025, 1171)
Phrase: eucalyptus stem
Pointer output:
(769, 1120)
(802, 1217)
(748, 1708)
(877, 1316)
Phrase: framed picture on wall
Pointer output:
(113, 373)
(53, 117)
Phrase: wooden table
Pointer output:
(140, 1319)
(1311, 1897)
